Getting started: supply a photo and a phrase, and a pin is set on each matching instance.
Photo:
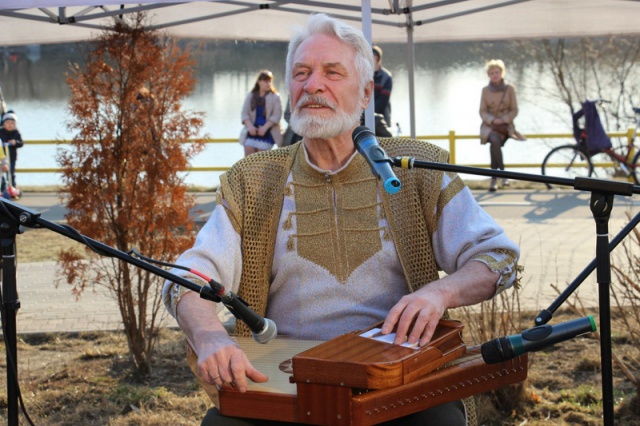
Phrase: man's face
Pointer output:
(325, 97)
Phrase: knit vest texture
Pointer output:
(254, 188)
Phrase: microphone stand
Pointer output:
(601, 204)
(10, 305)
(12, 215)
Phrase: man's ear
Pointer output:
(368, 93)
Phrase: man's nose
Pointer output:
(314, 84)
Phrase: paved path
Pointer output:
(557, 235)
(555, 230)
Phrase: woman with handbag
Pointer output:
(498, 108)
(261, 113)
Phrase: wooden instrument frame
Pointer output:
(329, 381)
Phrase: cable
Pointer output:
(170, 265)
(11, 365)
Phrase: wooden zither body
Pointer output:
(355, 380)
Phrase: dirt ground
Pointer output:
(81, 379)
(86, 379)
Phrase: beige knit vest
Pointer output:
(254, 189)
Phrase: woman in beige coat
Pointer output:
(261, 113)
(498, 108)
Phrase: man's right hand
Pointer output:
(220, 359)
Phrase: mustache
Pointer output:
(314, 100)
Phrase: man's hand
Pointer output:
(221, 361)
(416, 316)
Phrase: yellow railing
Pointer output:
(451, 137)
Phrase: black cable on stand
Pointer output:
(602, 194)
(13, 215)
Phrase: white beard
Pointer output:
(310, 126)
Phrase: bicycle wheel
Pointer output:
(635, 168)
(567, 161)
(606, 167)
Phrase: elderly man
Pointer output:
(307, 237)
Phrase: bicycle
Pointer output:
(584, 160)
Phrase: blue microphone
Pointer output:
(367, 145)
(534, 339)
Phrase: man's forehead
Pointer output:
(328, 50)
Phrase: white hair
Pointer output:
(323, 24)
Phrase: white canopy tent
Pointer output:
(24, 21)
(383, 21)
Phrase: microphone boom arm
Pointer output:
(214, 291)
(579, 183)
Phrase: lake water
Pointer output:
(448, 81)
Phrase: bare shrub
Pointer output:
(122, 172)
(489, 320)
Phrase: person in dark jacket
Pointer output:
(11, 141)
(383, 83)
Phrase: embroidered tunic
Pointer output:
(323, 253)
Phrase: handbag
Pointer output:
(503, 128)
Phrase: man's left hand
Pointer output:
(416, 316)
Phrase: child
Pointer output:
(12, 139)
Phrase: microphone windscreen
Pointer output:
(497, 350)
(491, 353)
(268, 333)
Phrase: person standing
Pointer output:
(498, 109)
(307, 236)
(11, 141)
(261, 113)
(383, 83)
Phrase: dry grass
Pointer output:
(85, 378)
(41, 245)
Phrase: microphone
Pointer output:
(534, 339)
(367, 145)
(263, 329)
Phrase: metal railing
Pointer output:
(452, 137)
